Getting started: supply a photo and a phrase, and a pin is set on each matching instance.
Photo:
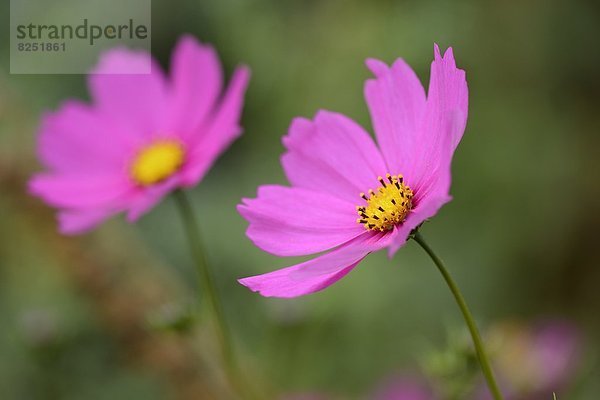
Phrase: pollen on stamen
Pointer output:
(386, 207)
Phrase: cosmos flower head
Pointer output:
(534, 361)
(142, 136)
(404, 387)
(349, 196)
(401, 386)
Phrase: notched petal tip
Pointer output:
(244, 208)
(122, 60)
(299, 129)
(255, 286)
(436, 51)
(323, 116)
(377, 67)
(449, 54)
(247, 282)
(447, 58)
(187, 40)
(188, 48)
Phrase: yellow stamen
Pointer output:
(157, 162)
(386, 207)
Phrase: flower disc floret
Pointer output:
(386, 207)
(157, 162)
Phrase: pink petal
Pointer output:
(444, 123)
(146, 198)
(197, 79)
(396, 102)
(293, 221)
(76, 222)
(369, 241)
(82, 191)
(448, 98)
(224, 128)
(75, 138)
(279, 283)
(427, 208)
(137, 102)
(323, 271)
(332, 154)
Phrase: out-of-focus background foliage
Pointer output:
(79, 315)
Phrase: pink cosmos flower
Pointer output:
(142, 137)
(404, 387)
(349, 196)
(535, 361)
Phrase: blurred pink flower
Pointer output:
(142, 137)
(557, 350)
(534, 362)
(331, 160)
(403, 388)
(306, 396)
(395, 387)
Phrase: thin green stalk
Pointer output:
(207, 284)
(481, 355)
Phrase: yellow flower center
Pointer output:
(157, 162)
(386, 207)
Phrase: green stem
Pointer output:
(209, 289)
(483, 359)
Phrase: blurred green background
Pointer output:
(520, 236)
